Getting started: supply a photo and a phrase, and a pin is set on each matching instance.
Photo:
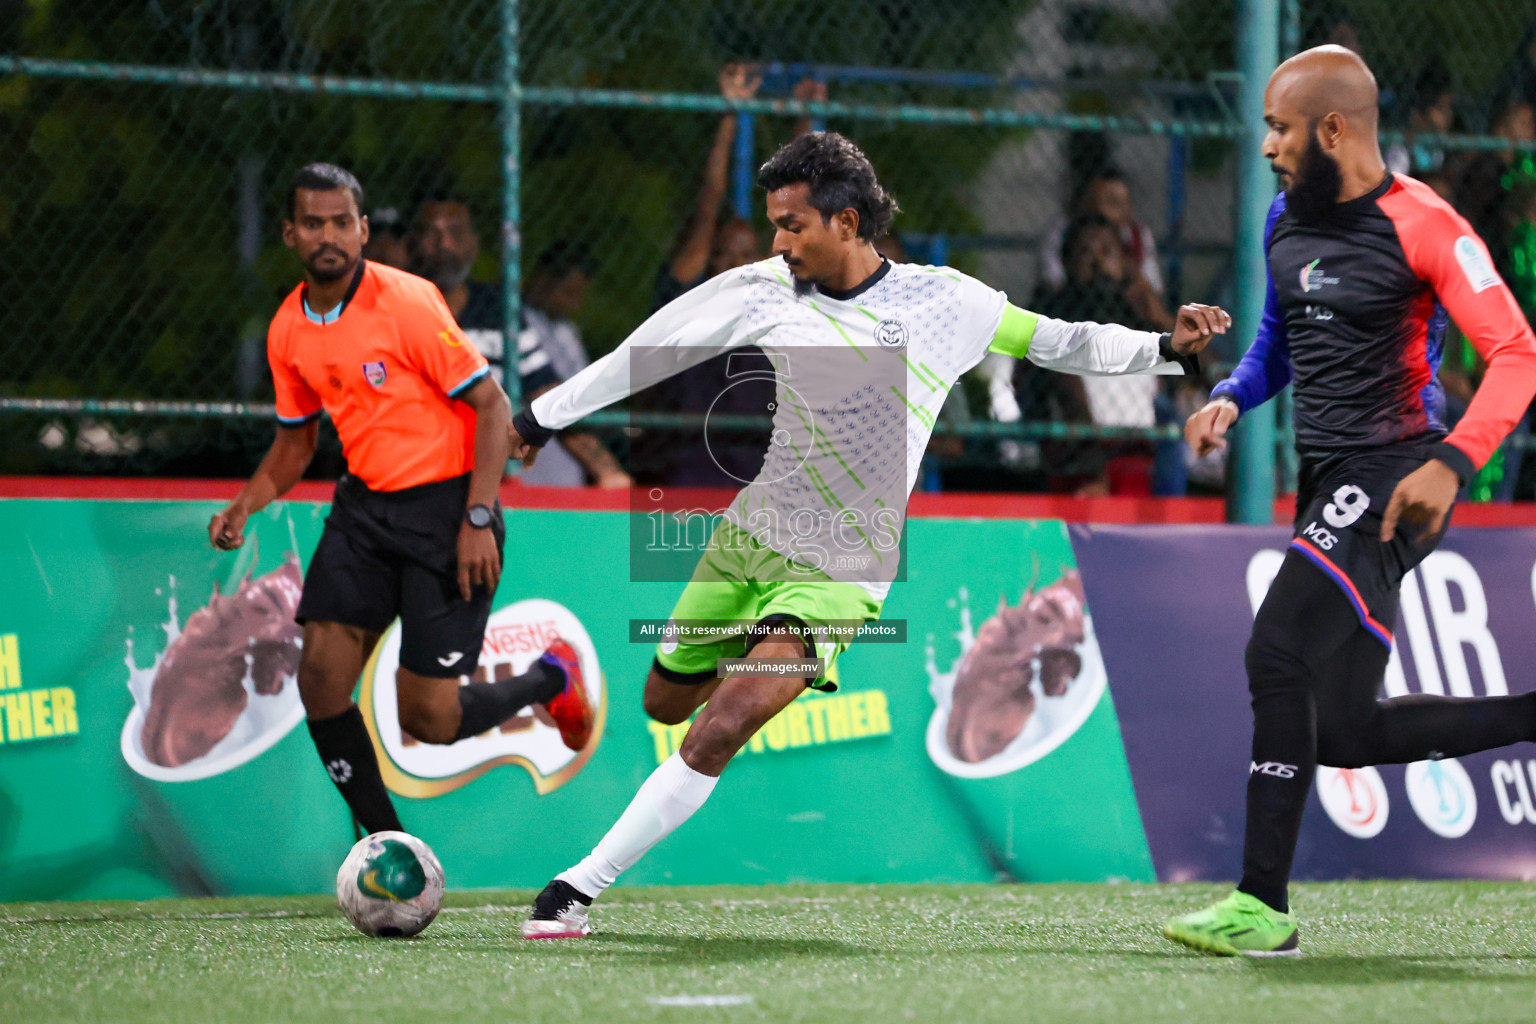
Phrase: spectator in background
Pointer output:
(1497, 480)
(443, 246)
(1521, 275)
(1093, 264)
(710, 244)
(1107, 195)
(1519, 72)
(557, 287)
(1487, 182)
(1094, 289)
(1432, 111)
(386, 238)
(1329, 21)
(1344, 33)
(1496, 192)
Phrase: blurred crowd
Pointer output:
(1097, 261)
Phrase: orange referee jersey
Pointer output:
(387, 369)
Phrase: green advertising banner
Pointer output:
(152, 739)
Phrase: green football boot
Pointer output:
(1239, 924)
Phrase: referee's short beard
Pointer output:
(326, 274)
(1314, 189)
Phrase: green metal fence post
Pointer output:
(1290, 27)
(511, 212)
(1252, 498)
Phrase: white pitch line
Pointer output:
(699, 1000)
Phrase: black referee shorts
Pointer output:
(1340, 503)
(396, 553)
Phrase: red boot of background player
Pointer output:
(572, 707)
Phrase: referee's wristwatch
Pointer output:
(479, 516)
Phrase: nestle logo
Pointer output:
(519, 638)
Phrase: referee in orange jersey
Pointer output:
(415, 530)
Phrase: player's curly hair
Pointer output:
(840, 178)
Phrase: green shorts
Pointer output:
(737, 583)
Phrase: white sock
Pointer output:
(665, 800)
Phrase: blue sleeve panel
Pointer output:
(1265, 368)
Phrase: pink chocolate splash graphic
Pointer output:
(992, 700)
(200, 684)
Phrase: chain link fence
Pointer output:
(1079, 155)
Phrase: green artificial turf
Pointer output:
(1373, 951)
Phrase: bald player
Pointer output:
(1364, 268)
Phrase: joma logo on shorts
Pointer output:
(1322, 537)
(1275, 768)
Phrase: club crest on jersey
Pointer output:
(891, 334)
(1312, 278)
(374, 373)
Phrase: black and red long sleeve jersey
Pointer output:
(1356, 313)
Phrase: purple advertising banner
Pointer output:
(1173, 607)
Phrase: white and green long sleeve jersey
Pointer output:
(860, 379)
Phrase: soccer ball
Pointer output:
(390, 885)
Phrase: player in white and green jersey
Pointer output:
(864, 353)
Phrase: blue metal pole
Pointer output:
(1252, 499)
(746, 151)
(1173, 244)
(938, 251)
(1290, 27)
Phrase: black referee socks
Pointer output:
(347, 753)
(484, 706)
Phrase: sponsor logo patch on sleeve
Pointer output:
(1475, 264)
